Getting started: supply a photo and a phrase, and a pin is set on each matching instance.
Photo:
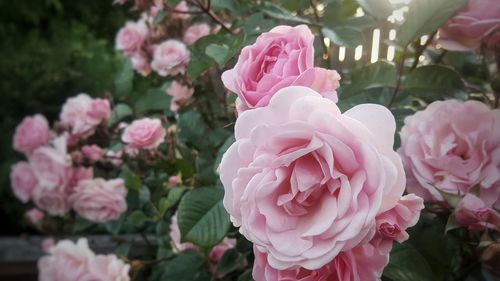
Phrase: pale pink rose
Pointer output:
(279, 58)
(175, 238)
(363, 263)
(195, 32)
(79, 174)
(145, 133)
(92, 152)
(99, 200)
(140, 62)
(52, 165)
(48, 244)
(473, 213)
(470, 26)
(53, 200)
(31, 133)
(174, 180)
(170, 58)
(305, 182)
(445, 150)
(67, 261)
(35, 216)
(180, 95)
(131, 37)
(182, 7)
(23, 181)
(83, 114)
(107, 267)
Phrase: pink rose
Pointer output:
(469, 27)
(170, 58)
(107, 267)
(363, 263)
(180, 95)
(31, 133)
(140, 62)
(35, 216)
(47, 244)
(473, 213)
(79, 174)
(279, 58)
(92, 152)
(195, 32)
(217, 252)
(179, 11)
(174, 180)
(145, 133)
(99, 200)
(23, 181)
(444, 150)
(84, 114)
(67, 261)
(175, 238)
(52, 165)
(131, 37)
(305, 182)
(52, 200)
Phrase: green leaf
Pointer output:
(137, 218)
(433, 81)
(451, 224)
(344, 35)
(230, 261)
(198, 64)
(223, 4)
(173, 196)
(202, 217)
(132, 181)
(217, 52)
(192, 126)
(425, 17)
(380, 9)
(160, 17)
(124, 79)
(407, 264)
(282, 14)
(119, 112)
(377, 75)
(246, 276)
(154, 100)
(186, 266)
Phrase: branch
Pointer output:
(316, 16)
(401, 69)
(421, 49)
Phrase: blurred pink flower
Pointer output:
(92, 152)
(23, 181)
(180, 95)
(35, 216)
(145, 133)
(83, 114)
(31, 133)
(170, 58)
(131, 37)
(195, 32)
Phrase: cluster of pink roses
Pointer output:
(76, 261)
(453, 148)
(57, 180)
(151, 47)
(318, 192)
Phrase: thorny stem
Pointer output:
(421, 49)
(208, 10)
(401, 69)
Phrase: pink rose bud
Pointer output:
(302, 175)
(179, 11)
(473, 213)
(92, 152)
(31, 133)
(83, 114)
(470, 26)
(23, 181)
(99, 200)
(144, 133)
(444, 150)
(170, 58)
(48, 244)
(131, 37)
(279, 58)
(174, 180)
(195, 32)
(180, 95)
(35, 216)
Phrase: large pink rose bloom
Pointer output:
(180, 95)
(170, 58)
(67, 261)
(450, 147)
(131, 37)
(107, 267)
(469, 27)
(305, 182)
(99, 200)
(23, 181)
(83, 114)
(279, 58)
(31, 133)
(144, 133)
